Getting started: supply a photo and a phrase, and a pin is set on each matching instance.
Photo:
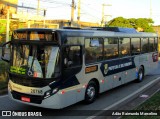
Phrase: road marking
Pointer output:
(120, 101)
(3, 96)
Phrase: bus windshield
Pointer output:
(35, 60)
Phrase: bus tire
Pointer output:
(140, 74)
(91, 92)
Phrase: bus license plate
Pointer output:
(25, 99)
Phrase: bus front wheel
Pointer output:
(91, 92)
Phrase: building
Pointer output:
(7, 4)
(66, 23)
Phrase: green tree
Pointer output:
(120, 22)
(143, 23)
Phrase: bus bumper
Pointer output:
(61, 99)
(53, 102)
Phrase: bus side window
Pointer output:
(156, 44)
(151, 45)
(72, 56)
(124, 47)
(135, 46)
(110, 48)
(144, 45)
(93, 50)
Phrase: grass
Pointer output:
(152, 104)
(3, 74)
(3, 25)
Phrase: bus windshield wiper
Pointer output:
(19, 49)
(34, 55)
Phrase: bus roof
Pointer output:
(95, 32)
(33, 29)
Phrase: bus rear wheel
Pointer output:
(140, 74)
(91, 92)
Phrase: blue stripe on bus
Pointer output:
(115, 66)
(72, 81)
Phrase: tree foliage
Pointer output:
(143, 23)
(120, 22)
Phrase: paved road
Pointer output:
(105, 100)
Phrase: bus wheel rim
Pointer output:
(140, 75)
(91, 92)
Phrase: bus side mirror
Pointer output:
(67, 63)
(5, 52)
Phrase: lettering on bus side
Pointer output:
(120, 66)
(91, 69)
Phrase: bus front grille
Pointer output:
(33, 98)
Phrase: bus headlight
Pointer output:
(50, 92)
(54, 91)
(47, 94)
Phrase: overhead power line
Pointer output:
(55, 2)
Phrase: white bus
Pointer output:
(55, 68)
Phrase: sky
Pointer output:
(91, 10)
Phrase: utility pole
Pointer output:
(28, 24)
(79, 11)
(72, 12)
(44, 14)
(150, 8)
(44, 21)
(102, 22)
(7, 26)
(103, 6)
(38, 7)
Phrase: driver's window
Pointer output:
(72, 56)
